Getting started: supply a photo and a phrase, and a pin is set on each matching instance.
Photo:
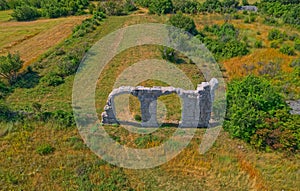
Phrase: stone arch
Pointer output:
(197, 104)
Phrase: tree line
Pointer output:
(25, 10)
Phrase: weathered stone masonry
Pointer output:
(196, 111)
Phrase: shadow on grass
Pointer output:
(28, 79)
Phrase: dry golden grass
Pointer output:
(237, 67)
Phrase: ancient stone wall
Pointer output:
(196, 109)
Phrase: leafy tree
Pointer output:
(226, 45)
(161, 6)
(211, 6)
(143, 3)
(9, 67)
(3, 5)
(186, 6)
(249, 102)
(25, 13)
(184, 22)
(230, 4)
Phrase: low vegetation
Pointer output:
(259, 149)
(258, 114)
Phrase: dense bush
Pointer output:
(161, 6)
(226, 43)
(258, 44)
(117, 8)
(10, 66)
(45, 149)
(3, 5)
(258, 114)
(88, 25)
(61, 118)
(226, 6)
(211, 6)
(285, 49)
(129, 6)
(289, 11)
(186, 6)
(143, 3)
(52, 79)
(297, 44)
(25, 10)
(168, 54)
(184, 22)
(4, 90)
(275, 34)
(58, 8)
(5, 112)
(25, 13)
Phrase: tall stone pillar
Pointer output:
(204, 103)
(149, 111)
(148, 99)
(190, 110)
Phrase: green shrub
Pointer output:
(279, 132)
(246, 20)
(137, 118)
(275, 34)
(45, 149)
(183, 22)
(252, 18)
(237, 16)
(67, 67)
(297, 44)
(5, 112)
(258, 44)
(144, 3)
(285, 49)
(129, 6)
(186, 6)
(249, 102)
(270, 21)
(3, 5)
(258, 114)
(4, 90)
(226, 44)
(52, 79)
(245, 2)
(168, 54)
(63, 118)
(161, 6)
(59, 117)
(295, 63)
(25, 13)
(10, 66)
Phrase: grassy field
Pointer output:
(229, 165)
(32, 39)
(68, 164)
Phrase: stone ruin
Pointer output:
(196, 109)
